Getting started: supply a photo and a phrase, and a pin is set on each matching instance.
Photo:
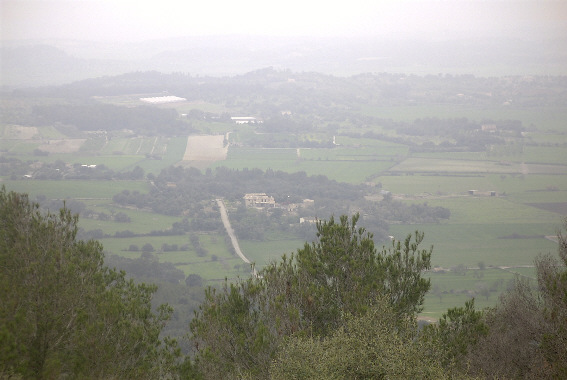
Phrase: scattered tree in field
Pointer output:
(194, 280)
(62, 312)
(122, 218)
(148, 247)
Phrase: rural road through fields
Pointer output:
(230, 231)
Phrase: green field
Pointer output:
(527, 175)
(78, 189)
(544, 119)
(452, 289)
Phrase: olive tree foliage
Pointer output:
(377, 345)
(456, 331)
(527, 335)
(511, 349)
(62, 312)
(239, 328)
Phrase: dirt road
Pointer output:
(230, 231)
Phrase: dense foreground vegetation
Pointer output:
(338, 308)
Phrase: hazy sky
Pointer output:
(126, 20)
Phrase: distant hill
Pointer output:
(40, 65)
(59, 62)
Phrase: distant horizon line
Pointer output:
(405, 38)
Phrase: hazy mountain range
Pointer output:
(46, 62)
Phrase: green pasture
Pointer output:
(20, 147)
(174, 151)
(217, 264)
(541, 118)
(263, 252)
(78, 189)
(450, 289)
(212, 128)
(116, 162)
(215, 271)
(139, 145)
(513, 192)
(545, 155)
(262, 154)
(531, 188)
(486, 209)
(348, 170)
(349, 154)
(342, 171)
(252, 138)
(547, 138)
(435, 184)
(382, 147)
(141, 221)
(121, 145)
(457, 156)
(50, 132)
(119, 154)
(468, 244)
(431, 165)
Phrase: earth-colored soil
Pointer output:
(17, 132)
(62, 146)
(205, 148)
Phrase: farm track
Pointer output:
(139, 146)
(154, 146)
(232, 235)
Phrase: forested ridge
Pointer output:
(339, 307)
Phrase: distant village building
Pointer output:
(292, 207)
(162, 99)
(489, 128)
(490, 193)
(311, 220)
(259, 200)
(308, 203)
(243, 119)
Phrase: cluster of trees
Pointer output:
(147, 268)
(393, 210)
(93, 116)
(241, 329)
(337, 308)
(60, 170)
(63, 313)
(193, 190)
(268, 87)
(192, 187)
